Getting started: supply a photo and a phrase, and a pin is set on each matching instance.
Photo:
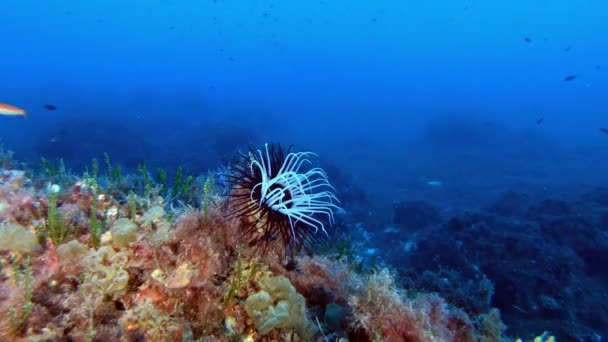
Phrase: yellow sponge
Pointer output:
(278, 305)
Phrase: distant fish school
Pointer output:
(6, 109)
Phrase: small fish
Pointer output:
(435, 184)
(49, 107)
(604, 130)
(57, 136)
(371, 251)
(570, 78)
(539, 121)
(528, 40)
(598, 67)
(568, 49)
(6, 109)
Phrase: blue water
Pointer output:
(391, 94)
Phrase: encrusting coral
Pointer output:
(163, 274)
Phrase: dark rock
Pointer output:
(598, 196)
(549, 207)
(539, 268)
(603, 221)
(510, 203)
(416, 214)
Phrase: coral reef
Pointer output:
(130, 265)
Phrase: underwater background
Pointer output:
(467, 141)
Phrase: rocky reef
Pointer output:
(107, 256)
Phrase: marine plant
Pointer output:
(114, 173)
(95, 227)
(162, 176)
(55, 171)
(18, 317)
(207, 198)
(55, 227)
(236, 282)
(343, 246)
(177, 183)
(6, 158)
(132, 205)
(90, 176)
(147, 183)
(181, 190)
(273, 192)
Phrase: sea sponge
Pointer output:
(278, 305)
(265, 315)
(16, 238)
(163, 232)
(181, 277)
(107, 275)
(71, 252)
(71, 256)
(153, 215)
(3, 206)
(123, 232)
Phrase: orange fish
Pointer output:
(6, 109)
